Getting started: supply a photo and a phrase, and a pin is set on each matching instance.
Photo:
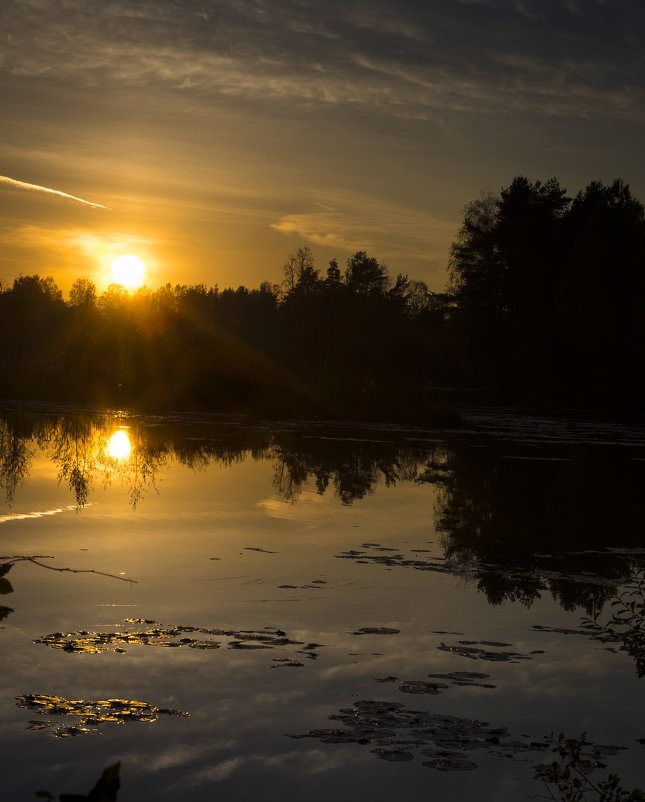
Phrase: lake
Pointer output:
(277, 610)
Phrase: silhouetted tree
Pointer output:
(601, 294)
(334, 275)
(300, 272)
(476, 281)
(530, 246)
(365, 276)
(83, 293)
(548, 292)
(418, 297)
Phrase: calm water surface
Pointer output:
(285, 574)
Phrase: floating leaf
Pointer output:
(376, 631)
(475, 653)
(90, 713)
(419, 686)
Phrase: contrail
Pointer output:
(4, 179)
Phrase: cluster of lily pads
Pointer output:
(397, 733)
(171, 637)
(444, 743)
(89, 714)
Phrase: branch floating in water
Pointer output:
(35, 559)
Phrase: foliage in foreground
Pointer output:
(627, 622)
(567, 779)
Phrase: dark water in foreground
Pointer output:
(314, 612)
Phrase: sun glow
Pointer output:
(128, 270)
(119, 445)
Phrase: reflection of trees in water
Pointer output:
(14, 459)
(547, 522)
(72, 444)
(524, 525)
(145, 463)
(79, 446)
(352, 467)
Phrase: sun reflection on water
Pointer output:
(119, 445)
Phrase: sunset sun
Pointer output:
(128, 270)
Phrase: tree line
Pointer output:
(543, 302)
(343, 344)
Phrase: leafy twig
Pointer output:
(627, 623)
(567, 778)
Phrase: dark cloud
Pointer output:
(402, 58)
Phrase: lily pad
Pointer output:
(90, 714)
(469, 678)
(463, 649)
(393, 755)
(419, 686)
(376, 631)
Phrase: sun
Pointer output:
(128, 270)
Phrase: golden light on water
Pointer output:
(128, 270)
(119, 445)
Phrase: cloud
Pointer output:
(74, 252)
(334, 55)
(356, 222)
(4, 179)
(78, 241)
(307, 762)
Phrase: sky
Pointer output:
(211, 138)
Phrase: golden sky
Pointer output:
(217, 137)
